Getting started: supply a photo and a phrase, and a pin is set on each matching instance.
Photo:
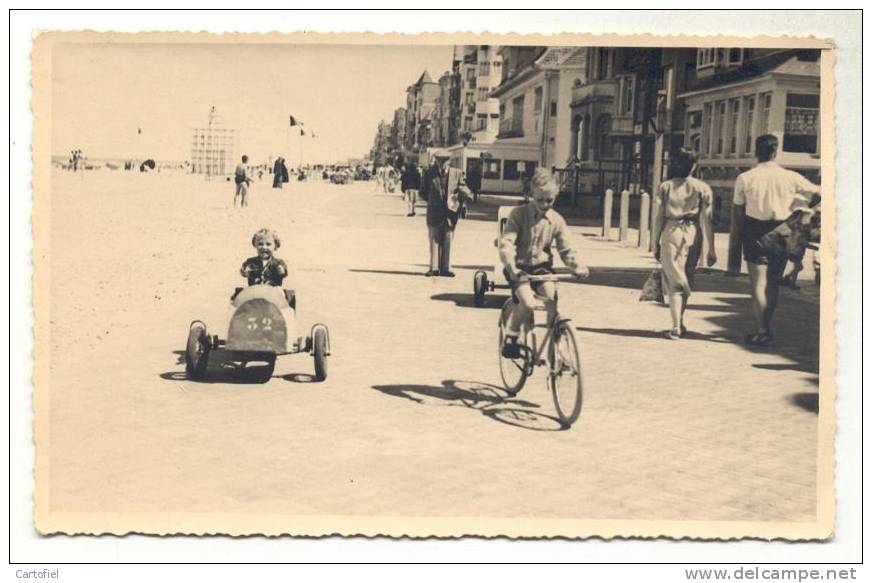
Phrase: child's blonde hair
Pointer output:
(266, 234)
(543, 181)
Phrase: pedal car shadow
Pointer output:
(220, 370)
(300, 378)
(492, 401)
(464, 300)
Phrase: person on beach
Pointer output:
(763, 198)
(525, 249)
(243, 180)
(410, 184)
(682, 218)
(277, 173)
(265, 267)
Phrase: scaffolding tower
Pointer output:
(213, 148)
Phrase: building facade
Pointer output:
(734, 95)
(420, 103)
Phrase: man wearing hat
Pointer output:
(445, 191)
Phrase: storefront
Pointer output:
(503, 167)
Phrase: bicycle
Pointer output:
(559, 350)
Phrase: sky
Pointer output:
(103, 94)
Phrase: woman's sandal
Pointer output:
(674, 334)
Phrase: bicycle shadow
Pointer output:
(491, 401)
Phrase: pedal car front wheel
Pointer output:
(319, 351)
(479, 287)
(197, 350)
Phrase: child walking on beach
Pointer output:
(265, 267)
(243, 180)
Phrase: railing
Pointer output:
(511, 128)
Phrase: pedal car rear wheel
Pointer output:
(479, 287)
(319, 351)
(265, 372)
(197, 350)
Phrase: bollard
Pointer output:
(624, 224)
(644, 215)
(607, 214)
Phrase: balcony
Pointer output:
(511, 128)
(596, 91)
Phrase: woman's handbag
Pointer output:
(652, 290)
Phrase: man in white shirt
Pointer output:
(763, 198)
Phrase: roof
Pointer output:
(424, 78)
(562, 57)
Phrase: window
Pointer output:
(628, 89)
(694, 120)
(537, 100)
(801, 123)
(707, 131)
(721, 119)
(553, 108)
(695, 143)
(705, 58)
(481, 121)
(736, 56)
(750, 103)
(602, 64)
(735, 107)
(767, 107)
(491, 169)
(518, 109)
(511, 170)
(470, 98)
(484, 68)
(482, 93)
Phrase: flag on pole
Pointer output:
(302, 132)
(313, 135)
(293, 120)
(139, 130)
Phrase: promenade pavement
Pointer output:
(411, 420)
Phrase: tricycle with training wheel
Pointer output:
(261, 328)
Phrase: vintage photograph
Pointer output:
(468, 285)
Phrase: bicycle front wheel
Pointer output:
(565, 377)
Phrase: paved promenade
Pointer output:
(411, 420)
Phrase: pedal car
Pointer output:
(260, 329)
(480, 282)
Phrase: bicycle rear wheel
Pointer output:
(514, 371)
(565, 377)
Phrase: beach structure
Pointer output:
(213, 147)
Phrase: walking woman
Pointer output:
(682, 217)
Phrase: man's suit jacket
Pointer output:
(444, 192)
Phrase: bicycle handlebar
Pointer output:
(552, 277)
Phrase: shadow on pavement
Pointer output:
(461, 300)
(298, 377)
(806, 401)
(796, 323)
(387, 271)
(493, 402)
(220, 370)
(470, 267)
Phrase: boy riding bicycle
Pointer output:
(525, 249)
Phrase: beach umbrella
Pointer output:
(147, 164)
